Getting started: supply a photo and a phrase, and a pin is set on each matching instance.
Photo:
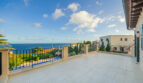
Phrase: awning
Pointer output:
(132, 9)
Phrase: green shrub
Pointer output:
(29, 57)
(42, 56)
(104, 49)
(72, 54)
(50, 55)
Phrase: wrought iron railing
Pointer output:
(76, 49)
(91, 48)
(19, 59)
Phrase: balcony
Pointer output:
(94, 68)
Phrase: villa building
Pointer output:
(75, 44)
(134, 20)
(119, 43)
(95, 42)
(48, 50)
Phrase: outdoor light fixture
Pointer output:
(138, 34)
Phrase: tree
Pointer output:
(108, 46)
(102, 47)
(3, 42)
(80, 47)
(71, 49)
(76, 49)
(38, 50)
(87, 42)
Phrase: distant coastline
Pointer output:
(20, 46)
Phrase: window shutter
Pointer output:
(142, 43)
(142, 37)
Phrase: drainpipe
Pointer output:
(135, 46)
(138, 46)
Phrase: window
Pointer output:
(107, 40)
(126, 39)
(121, 39)
(101, 39)
(115, 49)
(121, 49)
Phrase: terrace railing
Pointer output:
(76, 50)
(19, 59)
(91, 48)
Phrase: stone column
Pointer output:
(4, 63)
(86, 49)
(97, 46)
(65, 53)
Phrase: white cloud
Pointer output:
(37, 24)
(91, 30)
(84, 20)
(79, 31)
(110, 18)
(26, 2)
(114, 18)
(111, 26)
(98, 3)
(117, 31)
(64, 28)
(73, 6)
(45, 15)
(121, 19)
(100, 12)
(58, 13)
(97, 36)
(2, 20)
(129, 33)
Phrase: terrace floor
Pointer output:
(95, 68)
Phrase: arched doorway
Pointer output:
(121, 49)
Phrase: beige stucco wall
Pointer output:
(115, 40)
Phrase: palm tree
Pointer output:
(3, 42)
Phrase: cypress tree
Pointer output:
(108, 46)
(102, 46)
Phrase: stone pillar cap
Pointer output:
(1, 49)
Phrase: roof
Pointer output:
(48, 50)
(116, 35)
(132, 9)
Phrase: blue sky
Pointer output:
(44, 21)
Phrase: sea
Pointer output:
(43, 45)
